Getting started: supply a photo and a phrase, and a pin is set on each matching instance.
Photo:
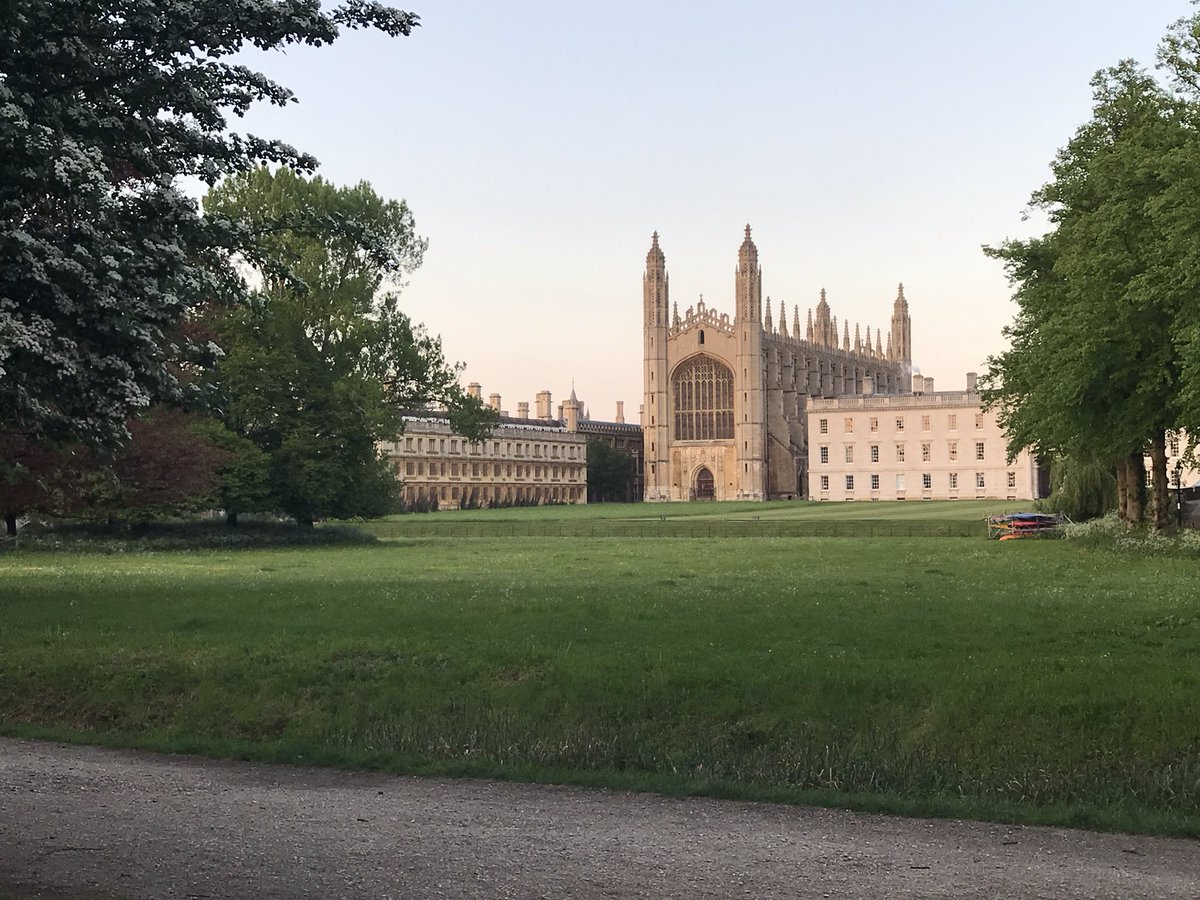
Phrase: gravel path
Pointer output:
(80, 822)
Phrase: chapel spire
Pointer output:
(901, 337)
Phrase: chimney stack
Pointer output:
(929, 385)
(523, 410)
(494, 401)
(543, 405)
(620, 412)
(474, 389)
(918, 384)
(972, 382)
(868, 384)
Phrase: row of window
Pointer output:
(522, 448)
(447, 493)
(873, 423)
(487, 470)
(926, 452)
(926, 481)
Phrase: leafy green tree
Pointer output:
(1096, 354)
(1081, 490)
(104, 105)
(321, 364)
(610, 473)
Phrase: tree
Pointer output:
(321, 364)
(1105, 299)
(35, 479)
(1081, 490)
(168, 467)
(104, 105)
(610, 473)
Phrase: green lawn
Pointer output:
(1035, 681)
(795, 518)
(803, 510)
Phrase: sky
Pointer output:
(539, 144)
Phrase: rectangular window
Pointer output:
(849, 482)
(849, 425)
(899, 423)
(924, 423)
(874, 423)
(849, 453)
(1173, 445)
(823, 426)
(420, 443)
(978, 420)
(926, 452)
(408, 443)
(899, 482)
(926, 481)
(952, 450)
(954, 481)
(874, 481)
(952, 422)
(824, 482)
(979, 449)
(874, 453)
(824, 454)
(1012, 480)
(899, 453)
(408, 468)
(979, 480)
(454, 446)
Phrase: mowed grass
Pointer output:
(1035, 682)
(795, 518)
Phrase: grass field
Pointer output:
(1037, 682)
(963, 518)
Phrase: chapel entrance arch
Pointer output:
(704, 488)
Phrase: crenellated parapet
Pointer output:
(700, 316)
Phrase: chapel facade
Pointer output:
(725, 409)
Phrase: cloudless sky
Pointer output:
(867, 143)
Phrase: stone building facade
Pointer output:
(523, 461)
(726, 397)
(535, 459)
(923, 445)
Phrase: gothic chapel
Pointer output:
(725, 398)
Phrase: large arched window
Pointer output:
(702, 397)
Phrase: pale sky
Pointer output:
(539, 144)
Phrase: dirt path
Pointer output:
(82, 822)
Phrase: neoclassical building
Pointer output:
(920, 445)
(724, 415)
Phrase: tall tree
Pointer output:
(322, 363)
(1094, 366)
(610, 473)
(104, 105)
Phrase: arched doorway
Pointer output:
(704, 484)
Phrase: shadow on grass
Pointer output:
(93, 537)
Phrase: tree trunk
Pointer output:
(1122, 489)
(1160, 491)
(1131, 475)
(10, 523)
(1137, 484)
(231, 519)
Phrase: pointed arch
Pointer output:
(702, 400)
